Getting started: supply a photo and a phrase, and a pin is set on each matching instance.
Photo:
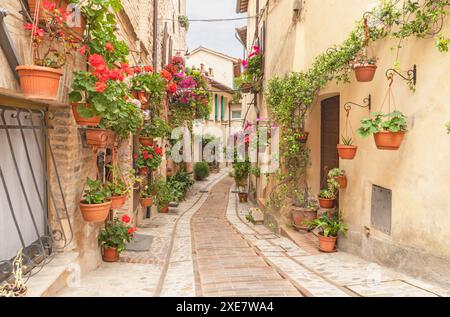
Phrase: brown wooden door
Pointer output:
(329, 136)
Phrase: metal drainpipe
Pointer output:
(155, 35)
(7, 44)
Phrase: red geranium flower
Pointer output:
(172, 88)
(96, 60)
(135, 156)
(132, 230)
(49, 6)
(148, 69)
(126, 68)
(137, 69)
(125, 219)
(109, 47)
(28, 26)
(166, 75)
(100, 86)
(82, 50)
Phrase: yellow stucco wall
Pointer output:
(419, 173)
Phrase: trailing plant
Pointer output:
(336, 172)
(392, 122)
(156, 128)
(95, 193)
(148, 190)
(117, 234)
(51, 44)
(118, 184)
(149, 156)
(253, 71)
(183, 21)
(152, 83)
(289, 98)
(328, 226)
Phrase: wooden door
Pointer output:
(329, 136)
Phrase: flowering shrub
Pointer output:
(117, 233)
(252, 74)
(51, 44)
(153, 84)
(149, 156)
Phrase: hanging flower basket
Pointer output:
(365, 73)
(146, 202)
(117, 202)
(145, 141)
(342, 181)
(97, 138)
(38, 82)
(95, 212)
(346, 152)
(80, 120)
(386, 140)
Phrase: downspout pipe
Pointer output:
(7, 44)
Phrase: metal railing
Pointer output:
(27, 133)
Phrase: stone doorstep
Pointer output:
(53, 276)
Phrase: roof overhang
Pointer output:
(220, 86)
(242, 34)
(241, 6)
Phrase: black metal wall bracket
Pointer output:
(7, 45)
(410, 76)
(367, 103)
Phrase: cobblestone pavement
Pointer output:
(318, 274)
(226, 265)
(205, 247)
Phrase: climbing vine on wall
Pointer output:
(289, 98)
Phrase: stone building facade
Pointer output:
(74, 161)
(413, 234)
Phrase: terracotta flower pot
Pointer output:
(145, 141)
(164, 210)
(117, 202)
(326, 203)
(327, 244)
(243, 197)
(300, 215)
(346, 152)
(386, 140)
(365, 73)
(93, 121)
(342, 181)
(110, 254)
(143, 171)
(303, 138)
(146, 202)
(39, 82)
(97, 137)
(95, 212)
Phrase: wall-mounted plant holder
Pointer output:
(367, 103)
(410, 75)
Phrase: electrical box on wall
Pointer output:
(381, 209)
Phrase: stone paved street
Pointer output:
(206, 248)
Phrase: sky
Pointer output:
(219, 36)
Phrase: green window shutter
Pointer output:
(216, 107)
(222, 108)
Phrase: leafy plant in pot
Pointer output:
(95, 204)
(50, 48)
(346, 150)
(114, 237)
(149, 157)
(365, 67)
(388, 129)
(119, 187)
(339, 176)
(163, 196)
(155, 128)
(240, 173)
(329, 228)
(303, 209)
(146, 195)
(328, 196)
(148, 87)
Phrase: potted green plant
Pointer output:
(50, 47)
(95, 204)
(329, 228)
(149, 157)
(347, 150)
(148, 87)
(156, 128)
(327, 196)
(388, 129)
(146, 195)
(250, 80)
(339, 176)
(119, 187)
(183, 21)
(304, 208)
(114, 237)
(240, 173)
(163, 196)
(364, 67)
